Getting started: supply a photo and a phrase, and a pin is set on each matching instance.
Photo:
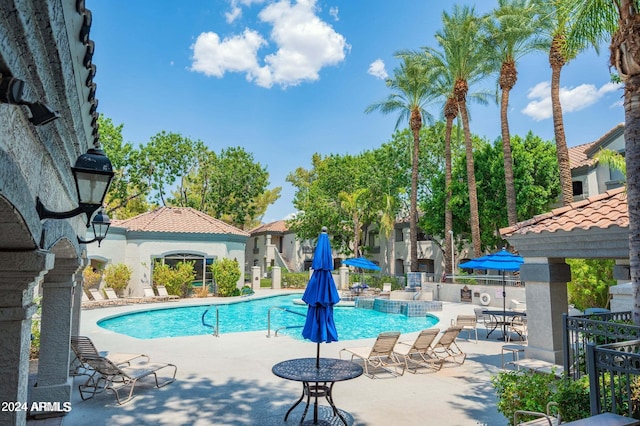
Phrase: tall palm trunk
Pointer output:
(632, 158)
(557, 61)
(508, 77)
(450, 112)
(460, 90)
(415, 123)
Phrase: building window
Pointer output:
(577, 188)
(399, 235)
(201, 266)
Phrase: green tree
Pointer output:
(590, 282)
(511, 30)
(169, 156)
(230, 186)
(226, 273)
(178, 279)
(617, 21)
(127, 196)
(117, 276)
(409, 98)
(537, 185)
(356, 205)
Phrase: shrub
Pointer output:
(590, 282)
(92, 277)
(177, 280)
(532, 391)
(226, 272)
(523, 391)
(117, 277)
(376, 281)
(295, 279)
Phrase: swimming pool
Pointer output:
(251, 315)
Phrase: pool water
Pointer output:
(251, 315)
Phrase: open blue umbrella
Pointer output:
(321, 294)
(498, 261)
(362, 262)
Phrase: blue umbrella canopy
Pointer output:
(321, 294)
(498, 261)
(362, 262)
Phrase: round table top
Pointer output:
(304, 370)
(504, 313)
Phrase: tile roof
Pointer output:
(278, 226)
(578, 155)
(178, 219)
(600, 211)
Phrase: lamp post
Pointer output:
(453, 262)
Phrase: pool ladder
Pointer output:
(284, 327)
(216, 328)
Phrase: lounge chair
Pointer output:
(108, 375)
(539, 419)
(83, 347)
(111, 295)
(98, 297)
(88, 303)
(468, 323)
(162, 292)
(420, 352)
(151, 296)
(380, 355)
(446, 348)
(488, 321)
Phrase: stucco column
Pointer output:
(19, 273)
(546, 290)
(54, 384)
(77, 299)
(255, 278)
(344, 277)
(276, 277)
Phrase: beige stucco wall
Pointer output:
(138, 249)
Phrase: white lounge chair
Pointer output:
(380, 355)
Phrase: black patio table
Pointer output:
(317, 382)
(507, 318)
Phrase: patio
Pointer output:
(228, 381)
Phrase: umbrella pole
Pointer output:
(504, 309)
(318, 356)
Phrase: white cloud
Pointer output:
(305, 44)
(376, 69)
(572, 99)
(233, 14)
(213, 57)
(333, 11)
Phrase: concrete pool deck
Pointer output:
(227, 380)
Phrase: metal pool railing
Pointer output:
(283, 327)
(216, 328)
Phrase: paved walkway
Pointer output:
(228, 381)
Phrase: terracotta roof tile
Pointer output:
(278, 226)
(178, 219)
(578, 155)
(600, 211)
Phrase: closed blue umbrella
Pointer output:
(498, 261)
(321, 294)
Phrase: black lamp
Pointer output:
(16, 92)
(92, 173)
(100, 225)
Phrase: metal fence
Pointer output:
(596, 329)
(614, 379)
(489, 280)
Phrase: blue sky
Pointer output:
(286, 79)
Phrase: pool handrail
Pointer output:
(285, 327)
(216, 328)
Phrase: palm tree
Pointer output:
(617, 21)
(463, 60)
(556, 21)
(510, 35)
(410, 95)
(355, 204)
